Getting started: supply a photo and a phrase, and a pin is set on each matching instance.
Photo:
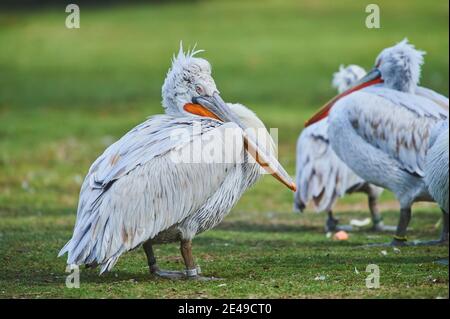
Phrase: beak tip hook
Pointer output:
(293, 187)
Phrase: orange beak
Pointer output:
(372, 78)
(200, 110)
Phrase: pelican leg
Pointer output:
(331, 224)
(377, 219)
(400, 238)
(153, 267)
(444, 234)
(192, 271)
(445, 228)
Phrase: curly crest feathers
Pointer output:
(185, 71)
(347, 76)
(400, 66)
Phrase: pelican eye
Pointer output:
(199, 90)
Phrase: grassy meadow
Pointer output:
(67, 94)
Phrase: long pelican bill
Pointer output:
(200, 110)
(269, 163)
(371, 78)
(215, 107)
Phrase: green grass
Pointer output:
(66, 94)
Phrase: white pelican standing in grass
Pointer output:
(136, 193)
(381, 129)
(321, 176)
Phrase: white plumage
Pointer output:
(136, 193)
(381, 128)
(320, 175)
(436, 165)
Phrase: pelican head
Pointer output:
(190, 90)
(398, 67)
(188, 77)
(346, 76)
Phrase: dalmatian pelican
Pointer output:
(381, 129)
(321, 176)
(138, 192)
(436, 166)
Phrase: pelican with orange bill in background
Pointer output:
(322, 177)
(381, 129)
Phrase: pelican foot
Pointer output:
(202, 278)
(169, 274)
(443, 262)
(399, 243)
(429, 242)
(394, 243)
(441, 241)
(331, 225)
(380, 227)
(403, 243)
(194, 274)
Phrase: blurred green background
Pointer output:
(65, 94)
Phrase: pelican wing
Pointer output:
(434, 96)
(397, 123)
(321, 176)
(423, 105)
(152, 138)
(135, 189)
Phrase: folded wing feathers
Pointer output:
(114, 232)
(397, 123)
(321, 176)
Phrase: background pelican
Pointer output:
(436, 166)
(135, 193)
(321, 176)
(381, 128)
